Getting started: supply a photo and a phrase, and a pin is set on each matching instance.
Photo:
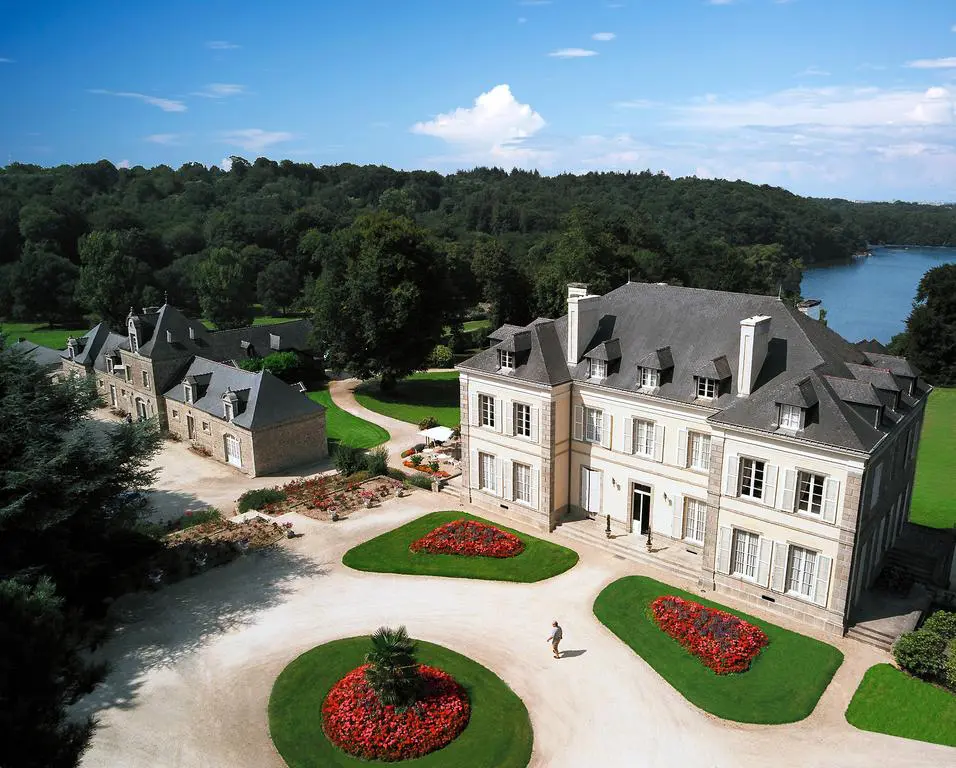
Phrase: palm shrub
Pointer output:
(921, 653)
(392, 667)
(348, 460)
(376, 461)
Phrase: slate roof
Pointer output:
(235, 343)
(806, 361)
(40, 354)
(264, 399)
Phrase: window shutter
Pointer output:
(770, 484)
(496, 480)
(499, 415)
(585, 490)
(823, 580)
(627, 435)
(509, 417)
(789, 490)
(534, 426)
(605, 430)
(763, 567)
(831, 495)
(677, 527)
(475, 419)
(778, 581)
(733, 467)
(682, 447)
(724, 537)
(534, 488)
(659, 442)
(473, 470)
(507, 480)
(578, 422)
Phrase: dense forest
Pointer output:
(91, 240)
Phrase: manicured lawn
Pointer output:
(389, 553)
(782, 685)
(342, 427)
(260, 320)
(474, 325)
(498, 734)
(934, 493)
(38, 333)
(413, 399)
(890, 701)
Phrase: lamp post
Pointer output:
(607, 529)
(649, 542)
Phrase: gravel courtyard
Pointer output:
(193, 665)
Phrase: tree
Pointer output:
(42, 285)
(226, 289)
(380, 306)
(393, 671)
(111, 278)
(931, 326)
(499, 281)
(278, 286)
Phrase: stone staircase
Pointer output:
(872, 636)
(663, 556)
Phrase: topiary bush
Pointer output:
(441, 357)
(258, 498)
(348, 460)
(943, 623)
(949, 670)
(376, 461)
(921, 653)
(428, 422)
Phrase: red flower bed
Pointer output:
(357, 723)
(722, 641)
(470, 538)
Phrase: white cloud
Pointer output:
(572, 53)
(220, 90)
(813, 72)
(167, 105)
(496, 127)
(603, 36)
(123, 164)
(166, 139)
(255, 139)
(948, 62)
(226, 163)
(221, 45)
(4, 60)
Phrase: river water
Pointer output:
(871, 297)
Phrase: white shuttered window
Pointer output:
(745, 554)
(801, 575)
(486, 473)
(700, 452)
(695, 520)
(522, 483)
(593, 425)
(643, 438)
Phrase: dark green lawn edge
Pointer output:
(934, 490)
(892, 702)
(783, 684)
(347, 428)
(389, 553)
(498, 735)
(423, 394)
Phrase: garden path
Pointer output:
(404, 435)
(193, 666)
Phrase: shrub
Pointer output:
(376, 461)
(358, 477)
(278, 363)
(416, 459)
(397, 474)
(441, 357)
(173, 437)
(921, 653)
(419, 447)
(433, 466)
(943, 623)
(421, 481)
(428, 422)
(408, 452)
(949, 671)
(198, 517)
(347, 459)
(259, 497)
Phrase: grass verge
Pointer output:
(430, 393)
(389, 553)
(38, 333)
(342, 427)
(890, 701)
(934, 492)
(498, 734)
(782, 685)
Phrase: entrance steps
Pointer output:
(871, 636)
(685, 564)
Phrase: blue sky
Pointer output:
(849, 98)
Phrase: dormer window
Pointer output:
(227, 410)
(791, 417)
(506, 360)
(133, 339)
(110, 365)
(597, 369)
(650, 378)
(187, 392)
(706, 388)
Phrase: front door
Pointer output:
(190, 427)
(641, 509)
(141, 409)
(590, 491)
(232, 450)
(112, 395)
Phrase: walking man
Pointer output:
(555, 639)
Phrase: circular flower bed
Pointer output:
(722, 641)
(469, 538)
(355, 721)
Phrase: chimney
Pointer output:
(192, 332)
(169, 337)
(754, 341)
(274, 341)
(582, 320)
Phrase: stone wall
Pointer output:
(290, 445)
(212, 437)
